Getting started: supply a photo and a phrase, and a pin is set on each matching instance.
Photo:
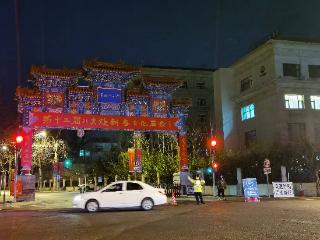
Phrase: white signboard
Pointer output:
(266, 170)
(282, 189)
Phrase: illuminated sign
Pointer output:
(109, 95)
(89, 121)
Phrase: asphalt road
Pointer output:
(270, 219)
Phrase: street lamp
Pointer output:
(4, 148)
(7, 158)
(17, 147)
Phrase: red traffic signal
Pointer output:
(215, 166)
(213, 142)
(19, 139)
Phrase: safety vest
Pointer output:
(197, 184)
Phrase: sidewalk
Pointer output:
(63, 200)
(43, 200)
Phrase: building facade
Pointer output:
(198, 86)
(270, 96)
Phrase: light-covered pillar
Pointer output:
(26, 151)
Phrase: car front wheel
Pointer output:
(147, 204)
(92, 206)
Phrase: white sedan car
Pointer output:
(122, 194)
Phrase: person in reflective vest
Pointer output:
(197, 188)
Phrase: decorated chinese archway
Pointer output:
(116, 96)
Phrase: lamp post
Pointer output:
(213, 145)
(15, 173)
(7, 158)
(5, 164)
(213, 177)
(17, 147)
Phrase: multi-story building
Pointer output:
(197, 85)
(270, 96)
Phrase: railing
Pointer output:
(169, 189)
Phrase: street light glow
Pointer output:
(4, 148)
(19, 139)
(42, 134)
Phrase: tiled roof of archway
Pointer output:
(26, 92)
(106, 66)
(59, 73)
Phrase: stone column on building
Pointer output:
(239, 182)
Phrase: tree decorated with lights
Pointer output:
(46, 150)
(160, 158)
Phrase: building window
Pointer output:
(84, 153)
(314, 71)
(315, 102)
(294, 101)
(250, 138)
(247, 112)
(202, 118)
(202, 102)
(296, 131)
(184, 84)
(262, 71)
(291, 70)
(200, 85)
(246, 84)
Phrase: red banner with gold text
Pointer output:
(89, 121)
(183, 152)
(131, 156)
(26, 150)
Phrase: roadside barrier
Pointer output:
(173, 200)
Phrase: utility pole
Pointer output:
(213, 177)
(17, 148)
(213, 145)
(15, 173)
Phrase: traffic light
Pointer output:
(215, 167)
(67, 163)
(213, 142)
(19, 139)
(209, 170)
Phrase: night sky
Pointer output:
(175, 33)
